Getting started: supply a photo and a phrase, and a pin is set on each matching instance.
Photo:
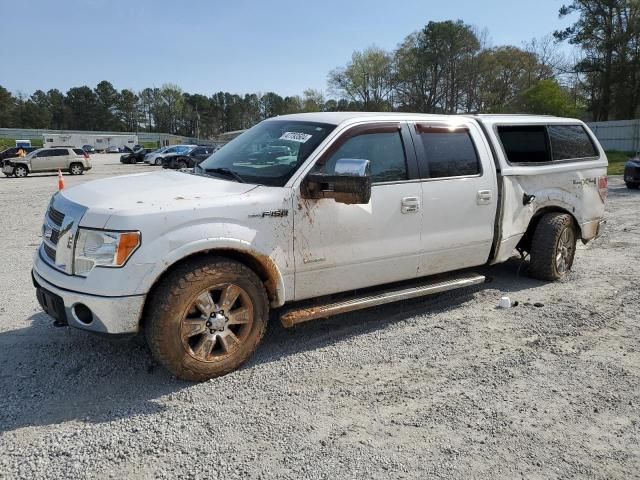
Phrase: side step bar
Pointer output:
(296, 315)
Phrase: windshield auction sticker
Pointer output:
(296, 137)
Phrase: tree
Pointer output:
(37, 113)
(367, 79)
(56, 102)
(608, 33)
(127, 110)
(434, 67)
(312, 100)
(106, 104)
(547, 97)
(82, 105)
(7, 103)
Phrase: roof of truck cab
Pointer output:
(336, 118)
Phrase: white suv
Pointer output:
(73, 160)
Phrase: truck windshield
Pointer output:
(267, 154)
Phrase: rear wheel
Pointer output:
(206, 318)
(76, 169)
(632, 186)
(553, 247)
(20, 171)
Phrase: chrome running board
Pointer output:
(295, 315)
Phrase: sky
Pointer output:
(205, 46)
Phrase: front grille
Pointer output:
(56, 216)
(50, 252)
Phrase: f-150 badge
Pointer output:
(271, 213)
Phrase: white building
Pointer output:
(98, 141)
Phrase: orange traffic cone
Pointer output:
(60, 181)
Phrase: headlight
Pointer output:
(103, 248)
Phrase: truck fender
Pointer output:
(240, 250)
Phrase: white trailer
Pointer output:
(97, 141)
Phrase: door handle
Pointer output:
(410, 205)
(484, 197)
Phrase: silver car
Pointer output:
(68, 159)
(155, 158)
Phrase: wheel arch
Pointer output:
(262, 265)
(525, 241)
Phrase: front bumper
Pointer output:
(7, 169)
(113, 315)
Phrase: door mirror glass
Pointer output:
(350, 182)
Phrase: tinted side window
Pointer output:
(385, 151)
(570, 141)
(45, 153)
(525, 143)
(449, 153)
(59, 152)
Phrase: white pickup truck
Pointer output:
(312, 215)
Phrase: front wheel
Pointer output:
(20, 171)
(553, 247)
(158, 161)
(206, 318)
(182, 164)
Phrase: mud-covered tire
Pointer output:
(170, 303)
(553, 247)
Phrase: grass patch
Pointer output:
(617, 160)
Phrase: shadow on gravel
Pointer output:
(280, 342)
(51, 375)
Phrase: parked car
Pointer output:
(13, 152)
(632, 173)
(357, 203)
(112, 149)
(155, 158)
(188, 159)
(72, 160)
(135, 156)
(88, 149)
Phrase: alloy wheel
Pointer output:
(217, 322)
(565, 250)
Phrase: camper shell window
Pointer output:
(533, 144)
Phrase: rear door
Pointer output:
(459, 192)
(60, 158)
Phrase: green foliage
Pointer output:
(617, 160)
(366, 80)
(608, 35)
(547, 97)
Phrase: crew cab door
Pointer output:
(459, 190)
(340, 247)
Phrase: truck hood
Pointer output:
(150, 192)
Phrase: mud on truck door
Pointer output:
(341, 247)
(460, 196)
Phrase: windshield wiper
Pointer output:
(225, 171)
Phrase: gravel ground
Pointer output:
(443, 387)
